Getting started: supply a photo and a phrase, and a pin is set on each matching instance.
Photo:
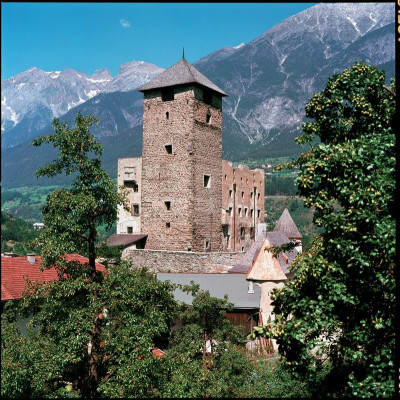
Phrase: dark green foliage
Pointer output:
(341, 299)
(19, 232)
(276, 184)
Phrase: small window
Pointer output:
(207, 244)
(246, 211)
(258, 213)
(167, 205)
(252, 232)
(258, 196)
(230, 193)
(130, 229)
(242, 248)
(240, 211)
(247, 181)
(207, 181)
(208, 118)
(230, 211)
(168, 225)
(251, 213)
(207, 96)
(251, 195)
(131, 185)
(167, 94)
(242, 194)
(225, 177)
(135, 209)
(168, 148)
(260, 182)
(242, 232)
(167, 114)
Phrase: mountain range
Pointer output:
(268, 82)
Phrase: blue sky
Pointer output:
(91, 36)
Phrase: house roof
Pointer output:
(287, 225)
(124, 239)
(234, 285)
(181, 73)
(13, 270)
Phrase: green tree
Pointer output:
(101, 326)
(204, 355)
(339, 307)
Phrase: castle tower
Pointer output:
(288, 226)
(182, 161)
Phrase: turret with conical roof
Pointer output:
(182, 161)
(286, 224)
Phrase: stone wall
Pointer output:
(182, 261)
(181, 144)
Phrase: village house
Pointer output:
(15, 268)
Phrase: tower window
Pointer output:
(252, 232)
(207, 181)
(208, 118)
(242, 194)
(167, 94)
(230, 211)
(167, 205)
(240, 211)
(230, 193)
(130, 229)
(168, 148)
(135, 209)
(258, 213)
(251, 213)
(168, 225)
(246, 211)
(258, 196)
(242, 232)
(207, 96)
(251, 195)
(207, 244)
(167, 114)
(131, 185)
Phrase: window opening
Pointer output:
(242, 232)
(167, 94)
(167, 114)
(258, 196)
(135, 209)
(242, 194)
(168, 148)
(207, 244)
(230, 193)
(207, 97)
(240, 211)
(246, 211)
(207, 181)
(168, 224)
(130, 229)
(167, 205)
(251, 213)
(251, 232)
(258, 213)
(208, 118)
(230, 211)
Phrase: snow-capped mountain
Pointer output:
(32, 98)
(132, 75)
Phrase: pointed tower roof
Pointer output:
(181, 73)
(287, 225)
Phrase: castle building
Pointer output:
(182, 195)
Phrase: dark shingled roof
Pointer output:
(181, 73)
(235, 286)
(287, 225)
(124, 239)
(276, 239)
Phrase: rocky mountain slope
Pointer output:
(268, 82)
(31, 99)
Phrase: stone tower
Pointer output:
(182, 161)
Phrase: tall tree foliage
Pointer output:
(340, 304)
(100, 325)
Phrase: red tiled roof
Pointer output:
(157, 353)
(13, 270)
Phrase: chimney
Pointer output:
(31, 258)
